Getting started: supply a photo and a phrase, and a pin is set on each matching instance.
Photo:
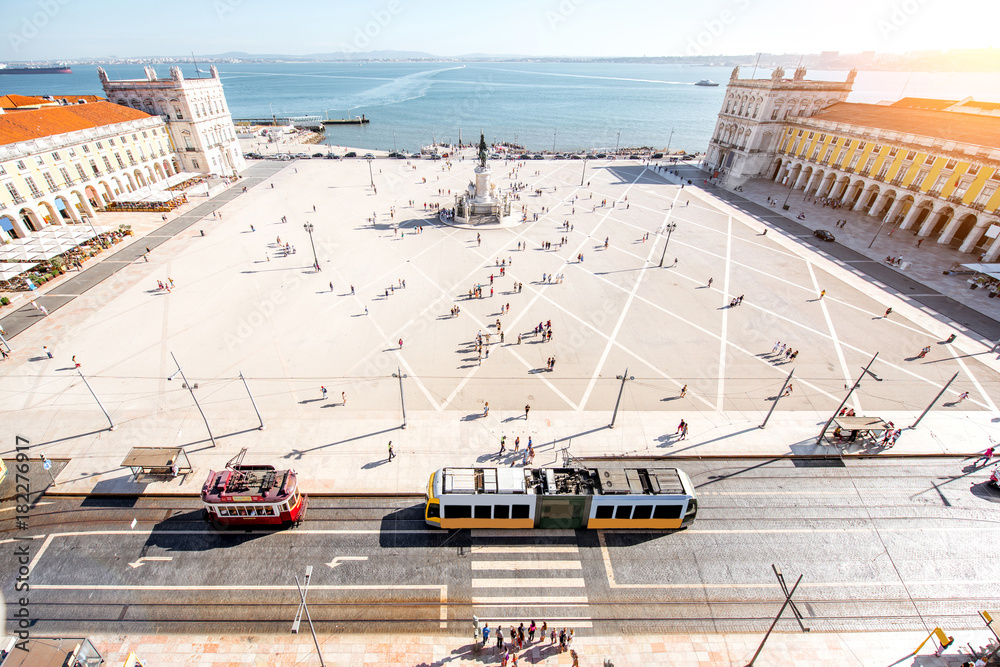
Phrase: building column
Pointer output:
(897, 207)
(930, 221)
(972, 238)
(798, 179)
(862, 198)
(911, 215)
(948, 233)
(879, 203)
(20, 228)
(992, 252)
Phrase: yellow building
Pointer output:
(59, 163)
(929, 165)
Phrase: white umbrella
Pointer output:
(8, 270)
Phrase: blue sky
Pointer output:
(53, 29)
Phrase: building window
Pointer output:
(815, 152)
(131, 160)
(812, 134)
(950, 164)
(2, 170)
(973, 169)
(861, 145)
(911, 154)
(13, 192)
(194, 163)
(893, 151)
(111, 141)
(121, 163)
(144, 136)
(985, 195)
(107, 163)
(847, 144)
(86, 148)
(55, 156)
(840, 158)
(79, 170)
(929, 159)
(35, 192)
(93, 166)
(878, 148)
(21, 165)
(826, 158)
(72, 153)
(65, 175)
(774, 114)
(39, 161)
(854, 161)
(135, 137)
(881, 172)
(50, 182)
(919, 180)
(756, 109)
(100, 145)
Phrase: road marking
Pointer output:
(833, 337)
(534, 601)
(338, 560)
(534, 549)
(723, 334)
(146, 559)
(528, 583)
(41, 550)
(527, 565)
(979, 387)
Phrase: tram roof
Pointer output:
(605, 480)
(248, 483)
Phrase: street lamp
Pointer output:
(669, 139)
(309, 228)
(670, 227)
(617, 140)
(370, 175)
(583, 174)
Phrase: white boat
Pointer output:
(707, 82)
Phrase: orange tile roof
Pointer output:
(15, 101)
(976, 129)
(47, 121)
(923, 103)
(73, 99)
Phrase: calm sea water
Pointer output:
(539, 105)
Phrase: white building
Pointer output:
(195, 113)
(754, 115)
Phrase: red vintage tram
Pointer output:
(250, 495)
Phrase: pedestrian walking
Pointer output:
(486, 409)
(887, 312)
(919, 242)
(46, 350)
(964, 395)
(4, 354)
(680, 427)
(710, 280)
(392, 454)
(366, 310)
(531, 632)
(788, 390)
(343, 398)
(352, 290)
(401, 343)
(822, 294)
(499, 637)
(323, 392)
(527, 409)
(517, 443)
(985, 458)
(76, 364)
(684, 391)
(684, 431)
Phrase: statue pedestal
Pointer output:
(483, 177)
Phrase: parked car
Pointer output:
(538, 157)
(657, 156)
(395, 154)
(317, 155)
(591, 156)
(601, 156)
(634, 157)
(574, 156)
(824, 235)
(302, 156)
(559, 157)
(416, 156)
(331, 156)
(435, 156)
(369, 155)
(350, 154)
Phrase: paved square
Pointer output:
(240, 303)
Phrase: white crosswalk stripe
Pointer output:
(540, 581)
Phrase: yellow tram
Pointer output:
(613, 495)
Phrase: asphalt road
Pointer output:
(880, 543)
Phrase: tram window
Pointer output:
(642, 512)
(604, 511)
(223, 511)
(434, 511)
(458, 511)
(483, 511)
(242, 511)
(501, 511)
(667, 511)
(519, 511)
(269, 511)
(623, 512)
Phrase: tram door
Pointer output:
(562, 512)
